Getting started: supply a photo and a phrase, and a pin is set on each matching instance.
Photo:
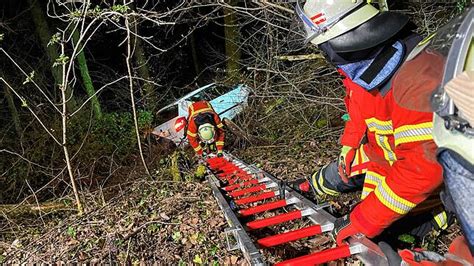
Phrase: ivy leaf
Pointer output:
(54, 39)
(61, 60)
(29, 78)
(120, 8)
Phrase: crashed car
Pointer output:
(227, 102)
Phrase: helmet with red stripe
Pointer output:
(348, 25)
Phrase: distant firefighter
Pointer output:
(205, 130)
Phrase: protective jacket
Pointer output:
(402, 170)
(199, 113)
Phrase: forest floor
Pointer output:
(176, 223)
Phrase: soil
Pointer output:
(165, 222)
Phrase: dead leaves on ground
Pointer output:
(149, 222)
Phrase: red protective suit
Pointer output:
(402, 170)
(202, 107)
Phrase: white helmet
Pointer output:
(324, 20)
(207, 133)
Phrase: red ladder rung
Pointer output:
(264, 207)
(277, 219)
(259, 197)
(241, 192)
(318, 257)
(275, 240)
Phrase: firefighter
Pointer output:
(204, 129)
(451, 93)
(386, 149)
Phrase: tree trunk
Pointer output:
(12, 210)
(86, 78)
(149, 93)
(13, 110)
(64, 120)
(197, 69)
(232, 37)
(44, 34)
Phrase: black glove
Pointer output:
(220, 154)
(343, 228)
(393, 257)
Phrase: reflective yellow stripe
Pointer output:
(365, 192)
(386, 195)
(198, 148)
(360, 158)
(220, 125)
(314, 181)
(220, 143)
(389, 155)
(379, 126)
(373, 178)
(412, 133)
(201, 111)
(392, 201)
(442, 220)
(325, 189)
(192, 134)
(382, 129)
(318, 184)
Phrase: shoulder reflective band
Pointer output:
(412, 133)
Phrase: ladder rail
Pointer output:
(360, 246)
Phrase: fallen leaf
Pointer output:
(164, 216)
(233, 259)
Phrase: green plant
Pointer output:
(176, 236)
(71, 232)
(197, 259)
(406, 238)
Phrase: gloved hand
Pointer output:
(343, 228)
(421, 257)
(345, 161)
(219, 154)
(393, 257)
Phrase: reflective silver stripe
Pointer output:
(387, 198)
(388, 150)
(375, 180)
(413, 133)
(380, 126)
(442, 220)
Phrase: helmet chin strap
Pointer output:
(375, 71)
